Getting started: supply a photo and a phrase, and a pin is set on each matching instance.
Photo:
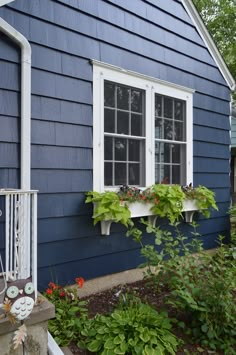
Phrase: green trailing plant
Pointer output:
(171, 199)
(70, 312)
(165, 201)
(205, 199)
(107, 206)
(202, 285)
(136, 329)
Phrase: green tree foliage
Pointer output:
(220, 18)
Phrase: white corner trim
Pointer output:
(21, 41)
(196, 18)
(4, 2)
(114, 68)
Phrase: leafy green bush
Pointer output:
(202, 285)
(136, 329)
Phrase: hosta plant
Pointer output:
(137, 329)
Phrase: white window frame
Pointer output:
(151, 86)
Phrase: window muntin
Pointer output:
(170, 140)
(124, 135)
(103, 73)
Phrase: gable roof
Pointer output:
(196, 18)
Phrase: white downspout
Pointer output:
(19, 39)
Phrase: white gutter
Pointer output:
(196, 18)
(19, 39)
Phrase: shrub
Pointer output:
(135, 329)
(202, 285)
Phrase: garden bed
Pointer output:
(104, 302)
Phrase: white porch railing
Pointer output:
(20, 210)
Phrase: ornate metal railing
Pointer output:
(18, 211)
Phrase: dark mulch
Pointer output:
(104, 302)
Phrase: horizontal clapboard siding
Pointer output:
(155, 38)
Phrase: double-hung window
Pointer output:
(142, 130)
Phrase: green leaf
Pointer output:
(95, 346)
(204, 328)
(109, 344)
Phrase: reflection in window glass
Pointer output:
(134, 171)
(124, 157)
(134, 150)
(136, 100)
(108, 148)
(109, 121)
(168, 107)
(120, 173)
(122, 122)
(170, 158)
(109, 95)
(123, 97)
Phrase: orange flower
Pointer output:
(52, 285)
(79, 281)
(49, 291)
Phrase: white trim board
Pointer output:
(5, 2)
(103, 71)
(206, 37)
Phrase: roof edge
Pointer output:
(204, 33)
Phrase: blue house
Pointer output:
(121, 92)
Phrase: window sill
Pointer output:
(139, 209)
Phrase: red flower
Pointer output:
(52, 285)
(79, 281)
(62, 294)
(49, 291)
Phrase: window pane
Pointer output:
(175, 153)
(109, 94)
(136, 125)
(108, 174)
(162, 174)
(120, 174)
(163, 152)
(178, 131)
(108, 148)
(158, 105)
(179, 110)
(136, 100)
(109, 121)
(134, 178)
(159, 133)
(168, 129)
(134, 150)
(123, 97)
(176, 174)
(168, 107)
(120, 149)
(122, 122)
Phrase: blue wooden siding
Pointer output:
(156, 38)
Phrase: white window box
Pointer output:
(139, 209)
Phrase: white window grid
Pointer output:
(106, 72)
